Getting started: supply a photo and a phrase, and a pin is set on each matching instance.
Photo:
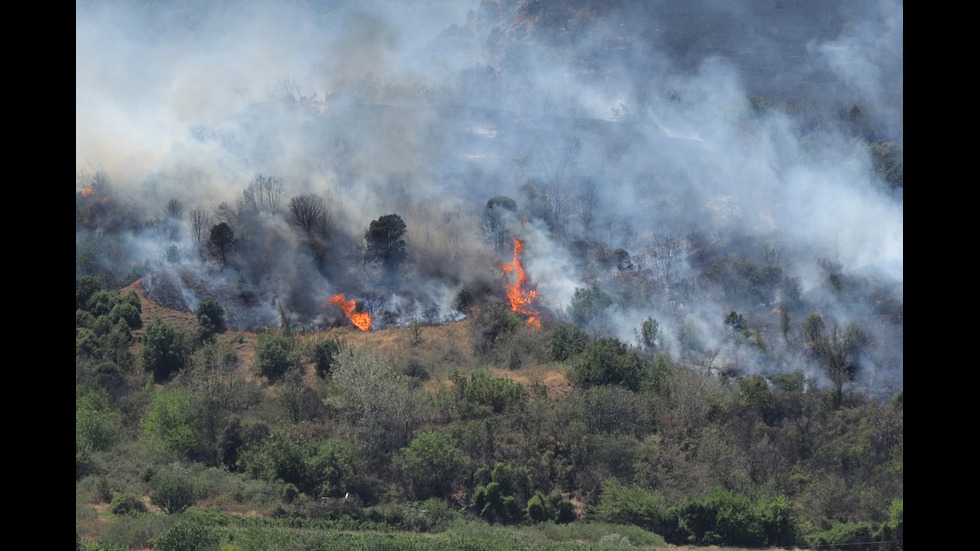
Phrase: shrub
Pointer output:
(161, 351)
(619, 504)
(722, 517)
(607, 361)
(172, 492)
(431, 462)
(535, 509)
(189, 535)
(323, 354)
(127, 503)
(210, 318)
(567, 341)
(275, 353)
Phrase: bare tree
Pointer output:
(198, 222)
(308, 213)
(263, 193)
(175, 209)
(588, 202)
(666, 252)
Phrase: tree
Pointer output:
(198, 221)
(837, 351)
(588, 306)
(384, 240)
(222, 238)
(210, 318)
(493, 222)
(161, 349)
(275, 354)
(172, 492)
(308, 213)
(650, 332)
(375, 401)
(430, 464)
(608, 361)
(170, 422)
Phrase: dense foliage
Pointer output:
(639, 441)
(713, 260)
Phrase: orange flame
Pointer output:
(88, 191)
(522, 294)
(361, 319)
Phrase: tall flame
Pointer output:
(522, 293)
(361, 319)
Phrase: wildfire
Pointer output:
(88, 191)
(361, 319)
(522, 293)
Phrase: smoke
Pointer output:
(687, 160)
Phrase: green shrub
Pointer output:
(275, 353)
(608, 361)
(172, 492)
(161, 350)
(210, 318)
(619, 504)
(323, 354)
(127, 503)
(430, 463)
(189, 535)
(535, 509)
(722, 517)
(567, 341)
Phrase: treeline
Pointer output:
(418, 435)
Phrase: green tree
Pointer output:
(650, 332)
(324, 353)
(275, 354)
(588, 306)
(621, 504)
(161, 349)
(376, 402)
(430, 464)
(172, 491)
(838, 351)
(385, 241)
(608, 361)
(567, 341)
(210, 318)
(169, 420)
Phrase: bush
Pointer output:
(210, 318)
(161, 351)
(173, 493)
(127, 503)
(619, 504)
(607, 361)
(323, 354)
(493, 326)
(275, 354)
(431, 462)
(722, 517)
(567, 341)
(189, 535)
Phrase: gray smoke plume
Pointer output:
(686, 159)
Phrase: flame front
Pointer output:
(361, 319)
(522, 294)
(88, 191)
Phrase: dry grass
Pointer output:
(441, 348)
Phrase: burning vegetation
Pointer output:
(359, 318)
(523, 294)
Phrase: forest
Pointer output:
(537, 274)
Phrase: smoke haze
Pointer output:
(686, 159)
